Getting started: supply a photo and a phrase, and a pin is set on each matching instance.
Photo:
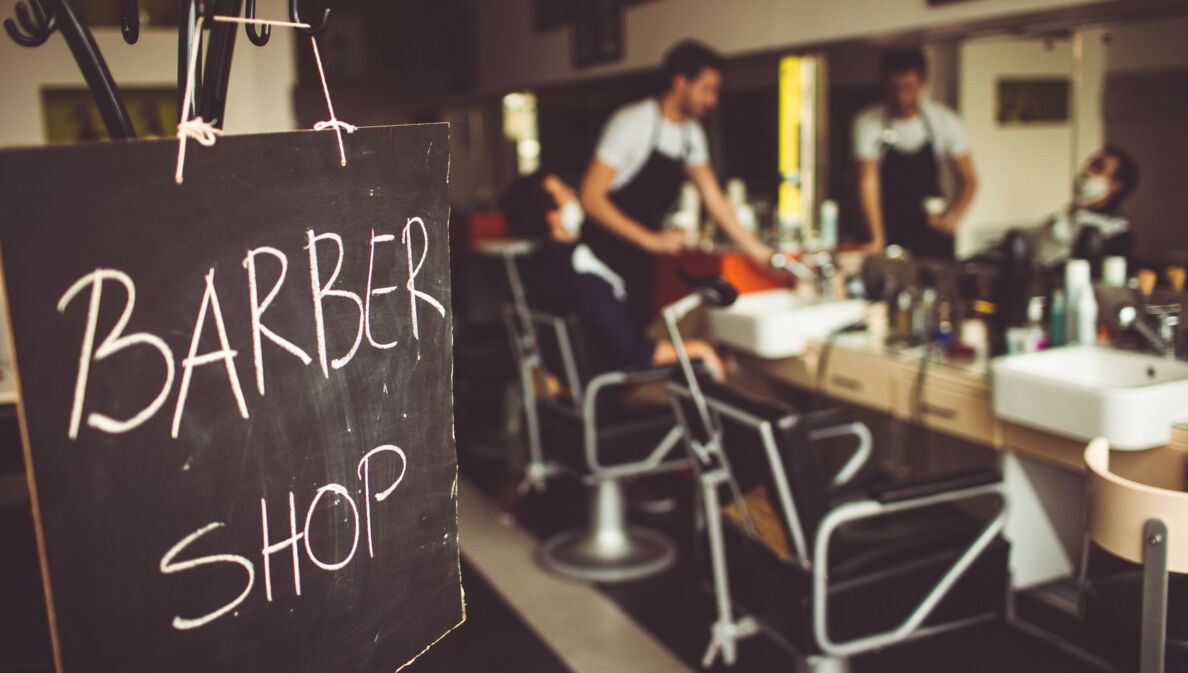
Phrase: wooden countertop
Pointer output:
(950, 397)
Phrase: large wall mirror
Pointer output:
(1037, 104)
(1037, 100)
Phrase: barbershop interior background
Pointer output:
(1040, 85)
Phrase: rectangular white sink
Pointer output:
(778, 323)
(1131, 399)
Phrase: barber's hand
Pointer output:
(701, 350)
(876, 246)
(668, 242)
(760, 255)
(945, 222)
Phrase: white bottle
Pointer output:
(828, 224)
(1076, 279)
(1085, 312)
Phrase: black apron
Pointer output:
(645, 199)
(905, 180)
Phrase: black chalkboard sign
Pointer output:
(236, 398)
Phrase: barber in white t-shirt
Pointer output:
(899, 145)
(646, 152)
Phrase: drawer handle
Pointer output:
(846, 382)
(942, 412)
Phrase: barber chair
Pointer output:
(1125, 597)
(830, 565)
(580, 419)
(833, 571)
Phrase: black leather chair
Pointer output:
(833, 570)
(578, 420)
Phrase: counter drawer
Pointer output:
(948, 404)
(860, 378)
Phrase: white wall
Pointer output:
(259, 97)
(1024, 171)
(510, 55)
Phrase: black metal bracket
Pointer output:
(37, 27)
(62, 15)
(313, 29)
(37, 20)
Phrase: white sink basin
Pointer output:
(1083, 392)
(778, 323)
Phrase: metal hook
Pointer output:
(130, 21)
(313, 30)
(259, 39)
(37, 27)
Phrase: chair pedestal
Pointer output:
(607, 550)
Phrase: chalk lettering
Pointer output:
(383, 238)
(113, 343)
(364, 472)
(270, 549)
(258, 307)
(321, 291)
(345, 494)
(210, 299)
(169, 567)
(413, 292)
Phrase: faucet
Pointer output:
(1162, 337)
(817, 268)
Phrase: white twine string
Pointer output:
(333, 122)
(195, 128)
(205, 134)
(259, 22)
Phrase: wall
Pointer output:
(1138, 73)
(259, 97)
(734, 27)
(1024, 171)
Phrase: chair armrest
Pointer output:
(827, 418)
(942, 489)
(618, 379)
(934, 485)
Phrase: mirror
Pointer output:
(1036, 105)
(1134, 77)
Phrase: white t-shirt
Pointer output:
(909, 135)
(631, 133)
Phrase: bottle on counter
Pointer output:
(1028, 338)
(1035, 338)
(828, 224)
(1058, 319)
(1085, 313)
(1076, 284)
(903, 314)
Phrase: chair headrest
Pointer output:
(713, 289)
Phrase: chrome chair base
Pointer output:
(607, 550)
(636, 554)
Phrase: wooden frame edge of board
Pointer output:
(31, 483)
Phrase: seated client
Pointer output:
(572, 279)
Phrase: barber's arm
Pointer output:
(869, 200)
(595, 198)
(951, 218)
(721, 210)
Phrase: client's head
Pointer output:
(542, 206)
(1106, 179)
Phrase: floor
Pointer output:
(522, 619)
(662, 623)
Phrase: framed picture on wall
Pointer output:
(597, 32)
(1032, 101)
